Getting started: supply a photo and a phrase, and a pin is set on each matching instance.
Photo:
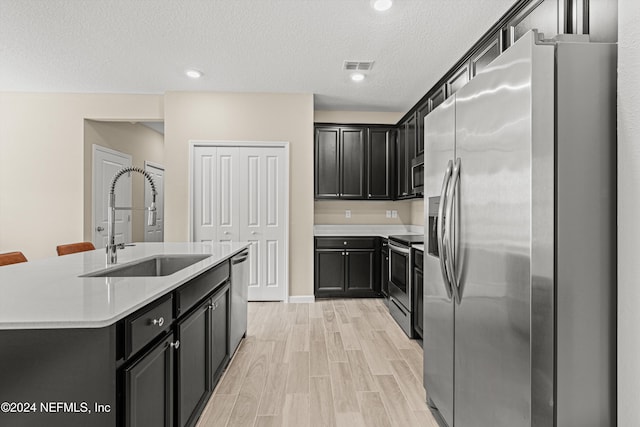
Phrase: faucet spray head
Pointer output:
(151, 219)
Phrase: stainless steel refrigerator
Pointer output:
(520, 219)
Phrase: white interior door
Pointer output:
(106, 163)
(228, 192)
(154, 233)
(262, 220)
(240, 194)
(204, 195)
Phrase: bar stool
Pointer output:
(12, 258)
(72, 248)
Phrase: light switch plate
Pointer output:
(347, 213)
(388, 214)
(394, 214)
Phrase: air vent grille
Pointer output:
(357, 65)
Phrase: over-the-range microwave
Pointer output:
(417, 175)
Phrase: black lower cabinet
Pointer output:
(193, 363)
(148, 387)
(384, 269)
(418, 286)
(219, 337)
(346, 267)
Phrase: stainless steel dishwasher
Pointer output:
(239, 293)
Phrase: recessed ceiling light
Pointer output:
(381, 5)
(193, 74)
(357, 77)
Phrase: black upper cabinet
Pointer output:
(327, 163)
(483, 56)
(405, 152)
(340, 163)
(352, 163)
(459, 79)
(437, 98)
(421, 112)
(379, 167)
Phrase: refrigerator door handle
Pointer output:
(448, 236)
(440, 230)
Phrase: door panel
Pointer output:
(330, 267)
(228, 194)
(205, 200)
(327, 181)
(149, 388)
(352, 158)
(439, 128)
(262, 221)
(106, 163)
(492, 326)
(360, 270)
(154, 233)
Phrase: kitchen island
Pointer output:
(111, 351)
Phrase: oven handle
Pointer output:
(440, 230)
(400, 249)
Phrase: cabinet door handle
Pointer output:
(158, 322)
(175, 345)
(211, 307)
(347, 253)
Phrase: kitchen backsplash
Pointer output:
(409, 212)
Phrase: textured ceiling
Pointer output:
(143, 46)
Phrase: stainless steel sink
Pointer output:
(161, 265)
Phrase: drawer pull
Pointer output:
(345, 243)
(175, 345)
(158, 322)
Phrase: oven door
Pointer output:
(399, 274)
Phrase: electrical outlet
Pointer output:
(388, 214)
(347, 213)
(394, 214)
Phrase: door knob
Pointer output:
(254, 232)
(226, 232)
(98, 228)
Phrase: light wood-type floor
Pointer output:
(330, 363)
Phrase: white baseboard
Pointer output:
(302, 299)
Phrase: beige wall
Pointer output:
(42, 163)
(362, 212)
(417, 212)
(244, 117)
(139, 141)
(368, 117)
(628, 213)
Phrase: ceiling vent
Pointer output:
(357, 65)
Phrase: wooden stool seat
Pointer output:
(72, 248)
(12, 258)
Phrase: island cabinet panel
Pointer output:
(148, 388)
(193, 356)
(62, 374)
(219, 338)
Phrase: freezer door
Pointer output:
(439, 128)
(493, 252)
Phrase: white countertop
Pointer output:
(419, 247)
(48, 294)
(366, 230)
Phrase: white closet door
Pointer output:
(229, 188)
(204, 201)
(262, 220)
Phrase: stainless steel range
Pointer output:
(400, 280)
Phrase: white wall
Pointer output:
(628, 213)
(42, 166)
